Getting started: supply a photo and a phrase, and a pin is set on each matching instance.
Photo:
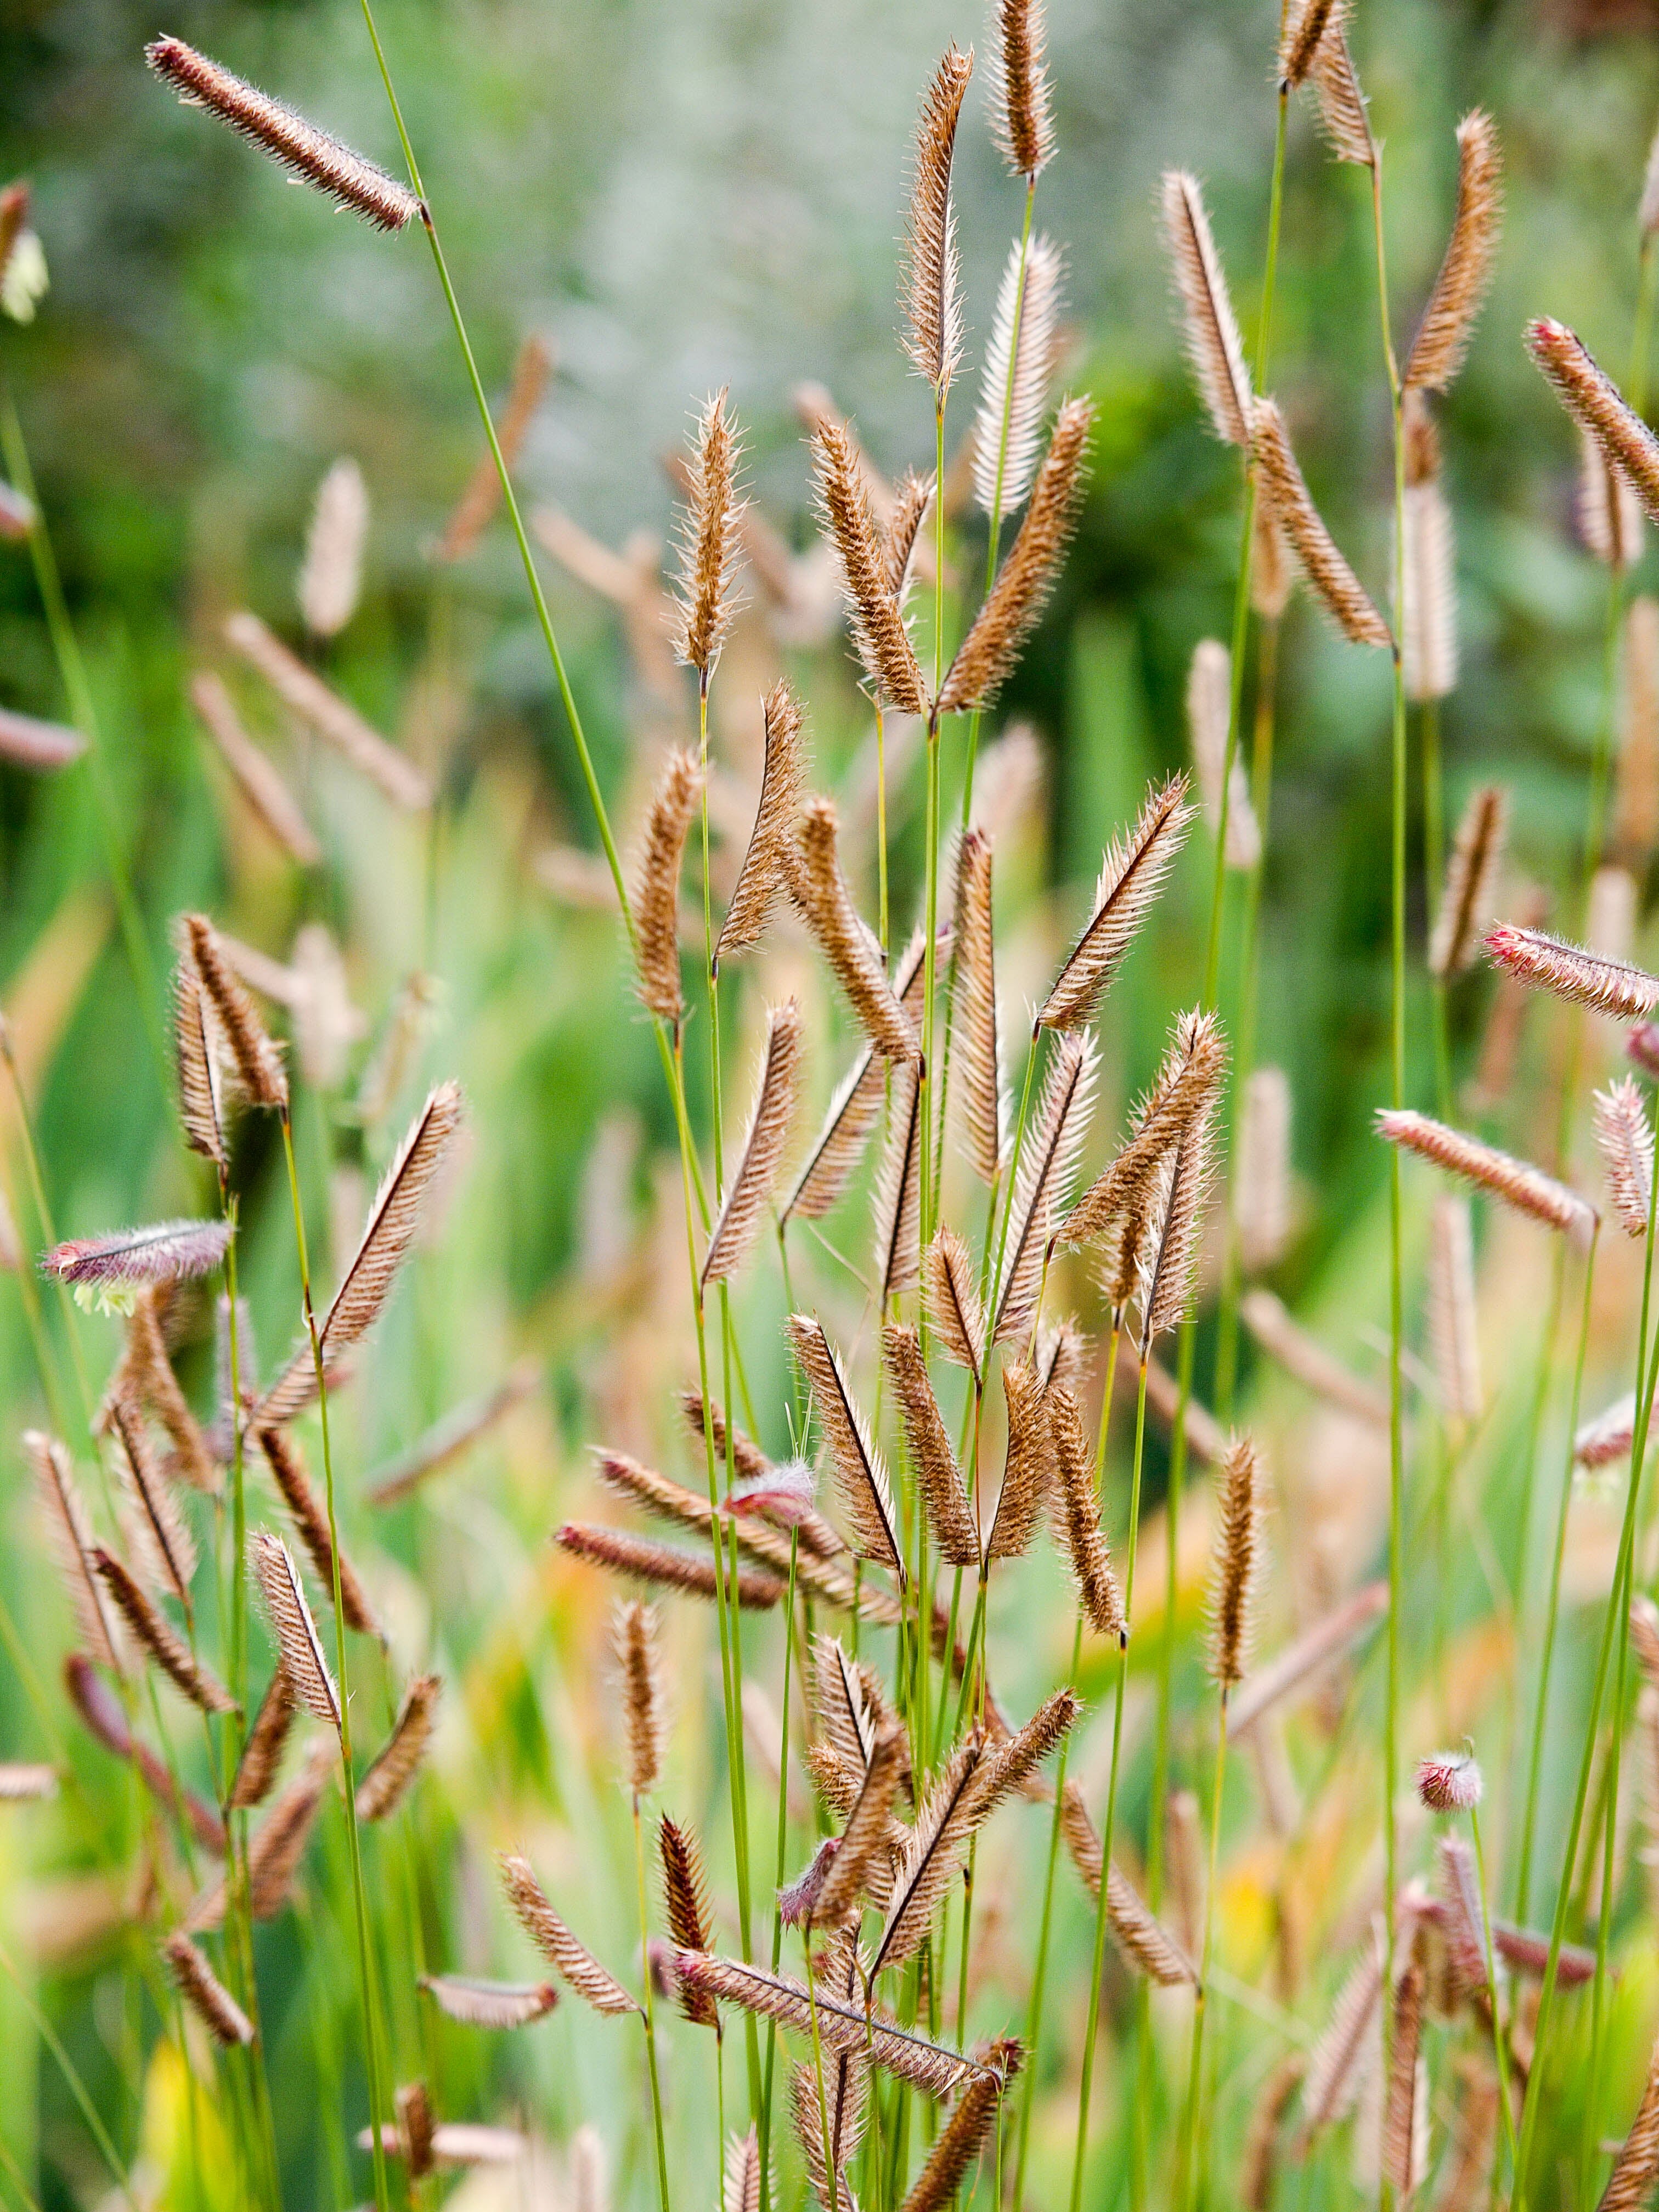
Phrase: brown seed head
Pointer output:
(872, 599)
(685, 1899)
(1021, 111)
(763, 1145)
(820, 891)
(203, 1992)
(1583, 977)
(1525, 1187)
(564, 1952)
(334, 721)
(1443, 335)
(387, 1783)
(1133, 873)
(634, 1641)
(1213, 344)
(1087, 1547)
(259, 1063)
(708, 539)
(303, 1659)
(1596, 405)
(1471, 882)
(1624, 1137)
(1335, 582)
(1020, 361)
(932, 303)
(764, 873)
(949, 1512)
(1237, 1567)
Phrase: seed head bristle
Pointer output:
(310, 1519)
(1624, 1137)
(1332, 579)
(855, 1108)
(765, 872)
(1028, 1472)
(295, 1631)
(1042, 1188)
(335, 722)
(872, 602)
(1132, 872)
(860, 1472)
(159, 1536)
(1304, 27)
(489, 2004)
(897, 1248)
(934, 1462)
(708, 539)
(1272, 572)
(204, 1993)
(1453, 1336)
(862, 1848)
(1012, 607)
(639, 1664)
(1605, 509)
(763, 1145)
(386, 1782)
(1471, 882)
(829, 2132)
(933, 1852)
(1598, 407)
(952, 1296)
(156, 1387)
(1583, 977)
(330, 581)
(1020, 361)
(252, 1051)
(903, 540)
(844, 2026)
(135, 1259)
(1087, 1547)
(1209, 717)
(1448, 1781)
(1213, 345)
(963, 2135)
(1235, 1570)
(300, 147)
(1185, 1086)
(820, 891)
(196, 1038)
(1631, 2183)
(262, 1752)
(1022, 116)
(1184, 1182)
(975, 958)
(685, 1899)
(1523, 1187)
(933, 302)
(1402, 2116)
(277, 1845)
(1443, 335)
(564, 1952)
(188, 1675)
(663, 1564)
(656, 890)
(1343, 109)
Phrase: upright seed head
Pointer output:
(873, 602)
(708, 539)
(1624, 1137)
(633, 1639)
(1019, 364)
(657, 884)
(1466, 902)
(763, 875)
(1343, 595)
(931, 299)
(330, 579)
(1598, 407)
(1237, 1565)
(1022, 115)
(1213, 344)
(258, 1061)
(1443, 335)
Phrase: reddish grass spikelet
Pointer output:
(820, 890)
(300, 147)
(27, 743)
(252, 1051)
(765, 872)
(323, 711)
(289, 1612)
(1020, 360)
(471, 513)
(1624, 1137)
(861, 1471)
(663, 1564)
(639, 1667)
(1632, 2181)
(1471, 881)
(1442, 336)
(203, 1992)
(568, 1957)
(489, 2004)
(256, 779)
(1028, 1471)
(1334, 582)
(1526, 1189)
(262, 1751)
(149, 1372)
(132, 1259)
(277, 1845)
(873, 603)
(1599, 408)
(386, 1782)
(1407, 2085)
(1213, 344)
(949, 1512)
(963, 2135)
(844, 2025)
(1012, 607)
(861, 1848)
(656, 889)
(69, 1542)
(1448, 1781)
(829, 2131)
(708, 539)
(686, 1898)
(1132, 872)
(159, 1536)
(1584, 978)
(933, 302)
(897, 1210)
(763, 1145)
(933, 1852)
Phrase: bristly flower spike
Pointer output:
(764, 873)
(656, 891)
(1213, 344)
(1344, 596)
(633, 1639)
(1443, 335)
(931, 298)
(1624, 1136)
(257, 1062)
(1582, 977)
(1014, 384)
(1597, 405)
(1022, 116)
(311, 154)
(1518, 1184)
(1236, 1567)
(1471, 875)
(708, 540)
(1450, 1781)
(763, 1145)
(1133, 873)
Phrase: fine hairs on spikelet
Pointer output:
(388, 1233)
(1028, 1469)
(740, 2181)
(126, 1259)
(950, 1292)
(873, 602)
(1185, 1084)
(839, 1699)
(1443, 335)
(1606, 507)
(1304, 27)
(1235, 1569)
(1012, 1762)
(308, 153)
(479, 502)
(830, 2131)
(1596, 405)
(310, 1518)
(1144, 1944)
(1213, 344)
(862, 1846)
(1624, 1137)
(763, 876)
(195, 1063)
(1428, 614)
(161, 1540)
(150, 1373)
(949, 1512)
(69, 1542)
(960, 2141)
(1635, 789)
(844, 2025)
(685, 1900)
(860, 1472)
(639, 1667)
(855, 1108)
(934, 1853)
(262, 1752)
(1332, 579)
(932, 301)
(655, 895)
(1209, 718)
(708, 539)
(1087, 1547)
(1343, 114)
(385, 1784)
(256, 778)
(820, 891)
(257, 1062)
(664, 1564)
(896, 1214)
(1012, 607)
(1583, 977)
(911, 502)
(188, 1675)
(1261, 1201)
(1471, 878)
(331, 579)
(976, 1003)
(1402, 2116)
(1019, 364)
(334, 720)
(1454, 1339)
(1042, 1187)
(1022, 118)
(1272, 572)
(1133, 873)
(204, 1993)
(489, 2004)
(568, 1956)
(291, 1621)
(277, 1845)
(1518, 1184)
(763, 1145)
(1168, 1266)
(1631, 2182)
